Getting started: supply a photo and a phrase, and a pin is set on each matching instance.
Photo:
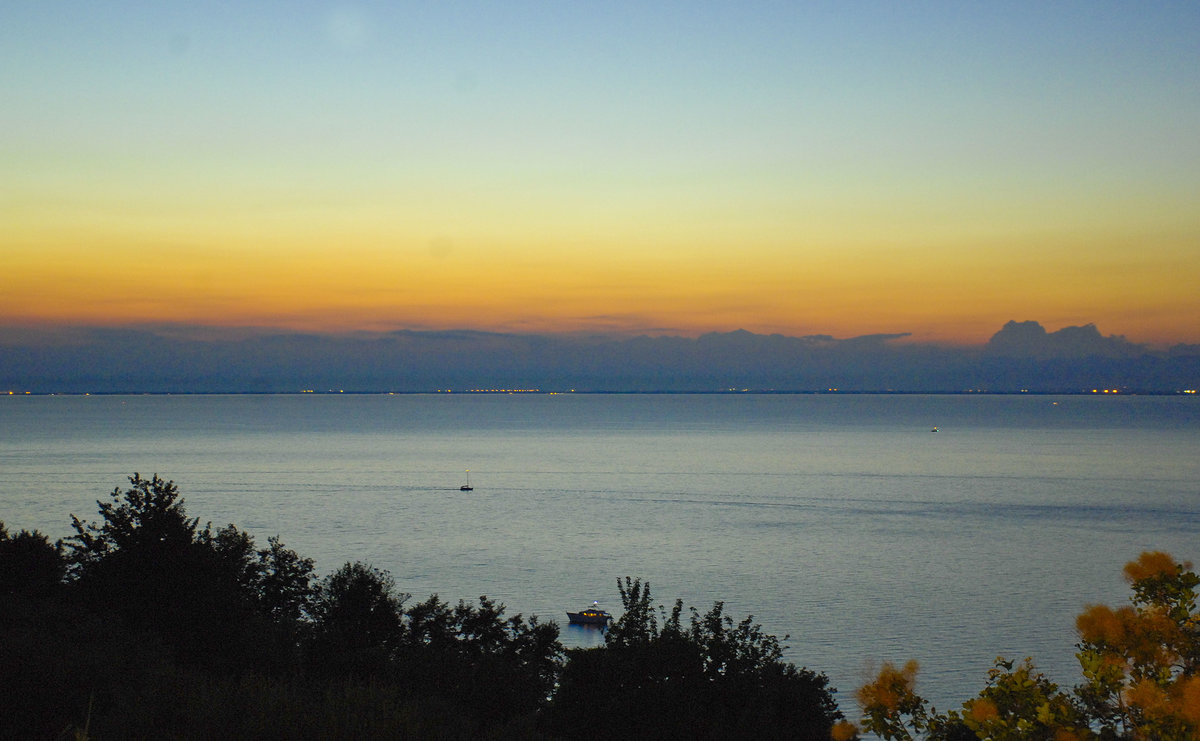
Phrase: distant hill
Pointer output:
(1021, 356)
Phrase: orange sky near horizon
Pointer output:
(952, 294)
(845, 172)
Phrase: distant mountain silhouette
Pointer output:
(1021, 356)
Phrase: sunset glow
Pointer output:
(843, 169)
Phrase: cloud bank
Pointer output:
(1021, 356)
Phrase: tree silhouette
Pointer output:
(357, 621)
(709, 678)
(30, 565)
(285, 583)
(161, 628)
(496, 668)
(148, 516)
(207, 593)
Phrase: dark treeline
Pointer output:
(145, 625)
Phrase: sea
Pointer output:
(844, 522)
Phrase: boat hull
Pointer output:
(588, 617)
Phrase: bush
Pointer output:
(708, 679)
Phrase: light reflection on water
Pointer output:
(841, 521)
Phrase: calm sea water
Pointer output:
(839, 520)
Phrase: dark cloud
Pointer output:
(1030, 339)
(1021, 356)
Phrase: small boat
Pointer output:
(934, 430)
(467, 486)
(591, 616)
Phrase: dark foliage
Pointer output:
(504, 669)
(357, 619)
(146, 625)
(710, 679)
(156, 571)
(31, 567)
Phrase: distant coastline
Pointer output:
(537, 392)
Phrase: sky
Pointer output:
(668, 168)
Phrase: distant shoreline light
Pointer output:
(658, 392)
